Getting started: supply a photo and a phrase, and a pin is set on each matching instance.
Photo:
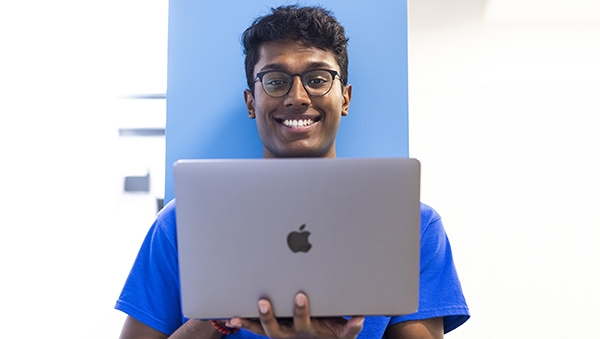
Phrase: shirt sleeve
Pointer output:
(151, 291)
(440, 292)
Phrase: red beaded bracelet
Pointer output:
(223, 329)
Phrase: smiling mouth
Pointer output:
(298, 123)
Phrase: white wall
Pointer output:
(504, 115)
(69, 233)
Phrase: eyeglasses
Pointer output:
(316, 82)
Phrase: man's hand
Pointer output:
(302, 326)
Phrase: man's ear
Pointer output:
(249, 99)
(346, 96)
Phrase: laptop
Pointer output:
(344, 231)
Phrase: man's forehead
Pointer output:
(284, 67)
(278, 54)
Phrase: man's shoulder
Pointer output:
(428, 214)
(168, 209)
(166, 218)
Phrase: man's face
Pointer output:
(317, 139)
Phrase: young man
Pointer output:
(296, 66)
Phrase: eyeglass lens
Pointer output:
(317, 82)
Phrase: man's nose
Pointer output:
(297, 94)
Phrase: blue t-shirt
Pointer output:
(151, 292)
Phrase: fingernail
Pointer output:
(299, 300)
(263, 307)
(233, 323)
(360, 323)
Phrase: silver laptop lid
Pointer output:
(344, 231)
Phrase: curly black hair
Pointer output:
(313, 26)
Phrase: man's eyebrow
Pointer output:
(273, 66)
(281, 67)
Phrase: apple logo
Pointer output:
(298, 241)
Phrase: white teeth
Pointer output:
(298, 123)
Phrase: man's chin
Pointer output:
(300, 151)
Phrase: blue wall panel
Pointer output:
(208, 119)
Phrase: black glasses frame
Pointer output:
(260, 75)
